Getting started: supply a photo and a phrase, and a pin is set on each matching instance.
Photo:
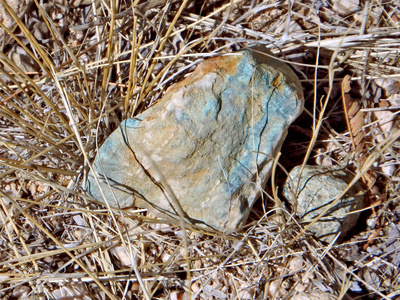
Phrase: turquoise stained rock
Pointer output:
(205, 150)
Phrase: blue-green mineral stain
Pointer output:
(210, 141)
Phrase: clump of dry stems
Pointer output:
(71, 71)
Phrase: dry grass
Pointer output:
(88, 67)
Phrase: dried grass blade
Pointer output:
(136, 42)
(165, 38)
(58, 38)
(34, 43)
(58, 243)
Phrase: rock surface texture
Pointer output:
(318, 187)
(204, 151)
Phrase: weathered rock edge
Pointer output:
(200, 143)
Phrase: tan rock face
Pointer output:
(205, 149)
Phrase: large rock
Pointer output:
(205, 149)
(317, 188)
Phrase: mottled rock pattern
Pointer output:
(208, 143)
(318, 187)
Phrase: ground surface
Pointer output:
(71, 71)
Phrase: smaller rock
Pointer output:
(318, 187)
